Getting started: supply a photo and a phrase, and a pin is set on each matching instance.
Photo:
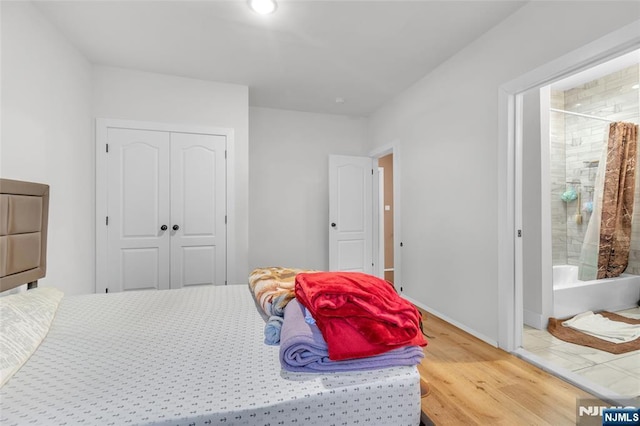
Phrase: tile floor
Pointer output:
(619, 373)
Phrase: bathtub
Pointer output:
(572, 296)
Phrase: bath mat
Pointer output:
(573, 336)
(603, 328)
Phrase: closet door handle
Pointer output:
(163, 228)
(176, 227)
(333, 225)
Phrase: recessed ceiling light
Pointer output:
(339, 100)
(263, 7)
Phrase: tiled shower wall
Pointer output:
(577, 144)
(558, 179)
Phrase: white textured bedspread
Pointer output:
(188, 357)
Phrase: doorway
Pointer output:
(563, 151)
(387, 213)
(512, 212)
(364, 214)
(386, 209)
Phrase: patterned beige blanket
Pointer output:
(273, 288)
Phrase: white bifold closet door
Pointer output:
(166, 209)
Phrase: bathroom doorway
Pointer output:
(570, 118)
(516, 211)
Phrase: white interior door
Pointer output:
(350, 213)
(138, 207)
(198, 209)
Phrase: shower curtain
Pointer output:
(605, 251)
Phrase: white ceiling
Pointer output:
(301, 58)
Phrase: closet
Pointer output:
(165, 204)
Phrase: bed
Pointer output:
(192, 356)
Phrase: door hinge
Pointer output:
(106, 222)
(372, 172)
(519, 232)
(225, 154)
(107, 147)
(225, 219)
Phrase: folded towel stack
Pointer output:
(303, 349)
(336, 321)
(358, 314)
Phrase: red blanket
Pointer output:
(358, 314)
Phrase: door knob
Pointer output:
(333, 225)
(176, 227)
(163, 227)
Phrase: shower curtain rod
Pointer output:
(581, 115)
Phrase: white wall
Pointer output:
(141, 96)
(47, 137)
(447, 127)
(289, 183)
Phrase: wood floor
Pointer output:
(473, 383)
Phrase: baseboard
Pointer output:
(533, 319)
(462, 327)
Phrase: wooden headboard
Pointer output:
(24, 212)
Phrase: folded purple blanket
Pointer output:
(303, 349)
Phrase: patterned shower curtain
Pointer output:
(617, 200)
